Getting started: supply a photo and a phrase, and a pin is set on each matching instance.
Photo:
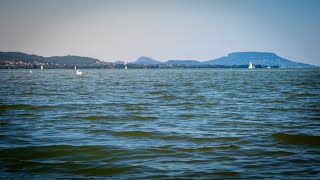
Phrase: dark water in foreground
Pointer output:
(197, 123)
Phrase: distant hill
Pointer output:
(19, 56)
(262, 59)
(185, 62)
(146, 60)
(68, 60)
(257, 58)
(119, 62)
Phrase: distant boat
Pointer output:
(30, 71)
(268, 67)
(79, 72)
(75, 67)
(41, 67)
(125, 66)
(251, 66)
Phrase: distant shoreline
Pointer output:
(19, 60)
(132, 66)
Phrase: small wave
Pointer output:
(136, 117)
(305, 94)
(3, 123)
(26, 115)
(186, 116)
(18, 107)
(212, 175)
(132, 107)
(187, 104)
(200, 149)
(156, 92)
(297, 139)
(163, 85)
(66, 158)
(161, 150)
(99, 118)
(280, 109)
(314, 106)
(307, 83)
(298, 161)
(202, 139)
(100, 131)
(173, 138)
(105, 171)
(226, 173)
(169, 97)
(171, 105)
(133, 133)
(58, 151)
(314, 118)
(207, 139)
(229, 138)
(228, 147)
(275, 153)
(199, 139)
(28, 107)
(278, 101)
(224, 158)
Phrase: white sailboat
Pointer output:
(125, 66)
(251, 66)
(75, 67)
(30, 71)
(41, 67)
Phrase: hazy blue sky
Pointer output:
(168, 29)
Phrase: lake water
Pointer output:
(160, 124)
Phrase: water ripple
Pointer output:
(160, 124)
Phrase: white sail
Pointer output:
(41, 67)
(250, 66)
(75, 67)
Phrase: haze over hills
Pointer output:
(258, 58)
(237, 59)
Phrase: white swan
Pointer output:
(79, 72)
